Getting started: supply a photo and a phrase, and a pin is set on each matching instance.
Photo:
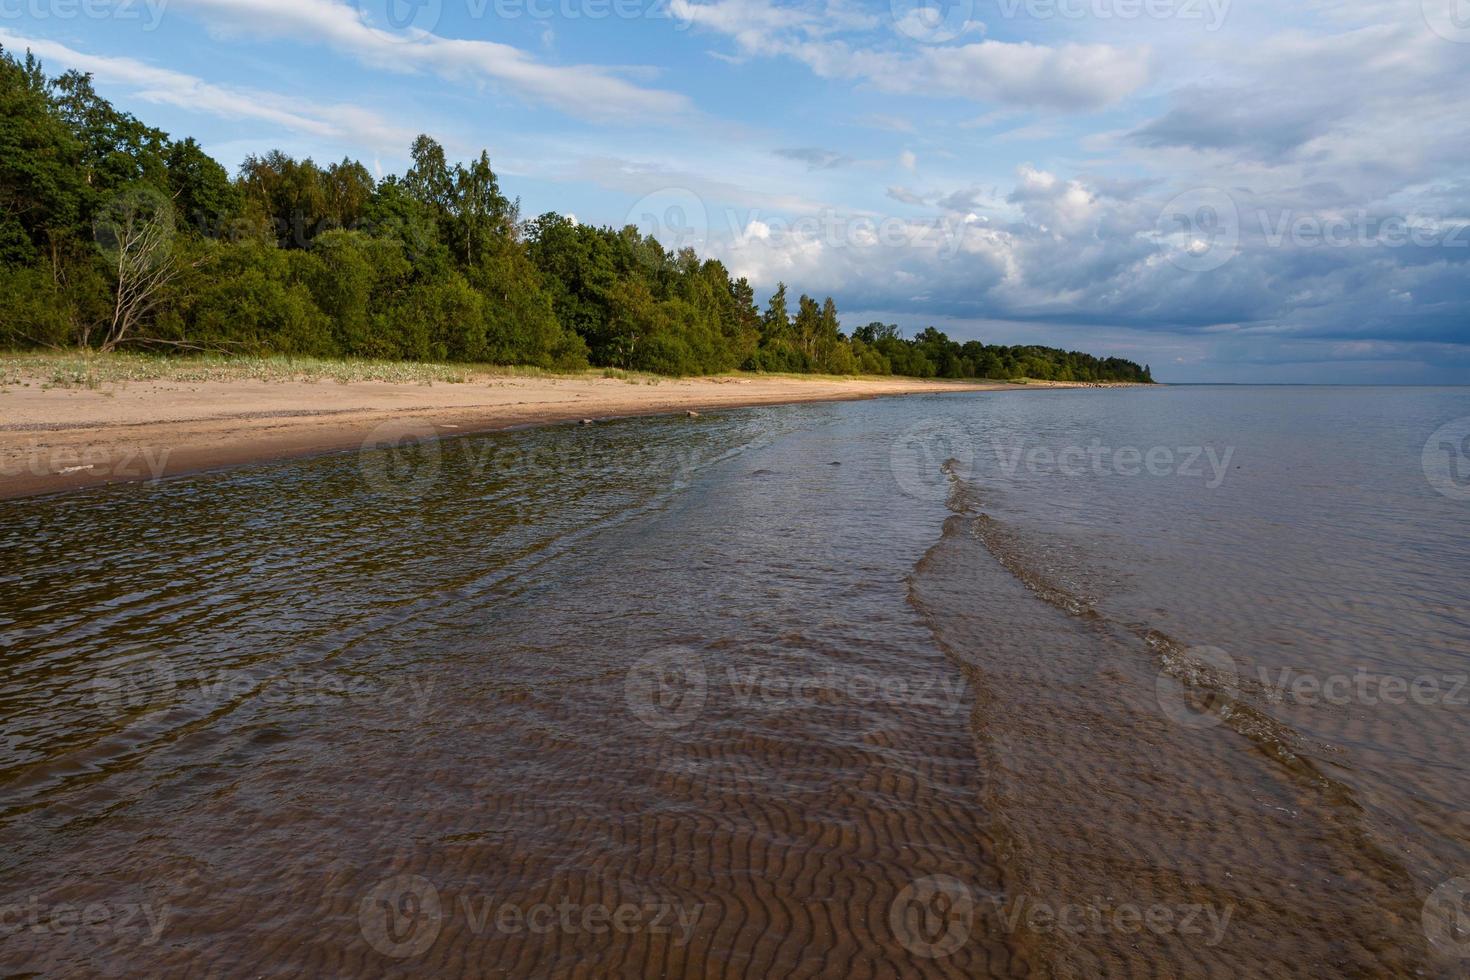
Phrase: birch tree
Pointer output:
(135, 232)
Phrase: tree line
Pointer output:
(113, 235)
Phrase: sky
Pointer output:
(1227, 190)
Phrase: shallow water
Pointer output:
(841, 689)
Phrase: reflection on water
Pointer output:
(756, 694)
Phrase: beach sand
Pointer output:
(58, 438)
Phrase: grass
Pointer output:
(83, 369)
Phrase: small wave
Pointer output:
(1096, 791)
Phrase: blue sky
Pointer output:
(1229, 190)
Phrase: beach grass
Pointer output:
(90, 369)
(84, 369)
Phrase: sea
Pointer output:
(1152, 681)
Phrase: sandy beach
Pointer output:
(62, 438)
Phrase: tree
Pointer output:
(135, 232)
(808, 325)
(288, 198)
(117, 149)
(478, 212)
(113, 234)
(776, 323)
(204, 198)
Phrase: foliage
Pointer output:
(113, 235)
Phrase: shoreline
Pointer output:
(58, 439)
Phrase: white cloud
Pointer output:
(586, 91)
(344, 123)
(1067, 77)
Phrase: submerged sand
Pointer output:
(54, 439)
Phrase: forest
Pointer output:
(114, 236)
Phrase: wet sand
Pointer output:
(56, 439)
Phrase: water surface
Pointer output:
(780, 687)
